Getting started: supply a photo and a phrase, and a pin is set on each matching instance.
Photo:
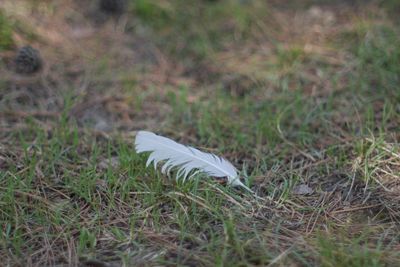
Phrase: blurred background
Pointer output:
(133, 64)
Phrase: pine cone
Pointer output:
(113, 6)
(27, 60)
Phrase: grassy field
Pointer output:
(303, 97)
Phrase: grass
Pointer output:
(335, 253)
(312, 105)
(6, 38)
(199, 28)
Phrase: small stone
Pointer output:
(111, 162)
(302, 189)
(27, 60)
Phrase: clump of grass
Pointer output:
(392, 7)
(198, 27)
(334, 251)
(377, 52)
(152, 13)
(289, 57)
(6, 32)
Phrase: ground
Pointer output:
(303, 97)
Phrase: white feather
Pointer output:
(187, 160)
